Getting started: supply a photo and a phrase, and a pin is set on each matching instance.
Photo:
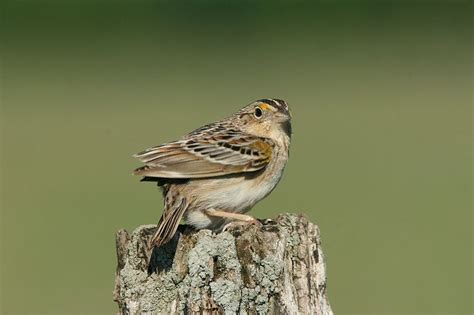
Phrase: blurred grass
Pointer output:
(381, 155)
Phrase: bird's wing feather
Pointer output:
(202, 154)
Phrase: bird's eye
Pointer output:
(258, 112)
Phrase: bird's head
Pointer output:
(267, 117)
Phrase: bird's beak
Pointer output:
(282, 117)
(284, 120)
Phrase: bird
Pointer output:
(214, 175)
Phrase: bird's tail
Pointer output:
(169, 222)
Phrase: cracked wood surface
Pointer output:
(276, 268)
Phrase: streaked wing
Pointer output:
(207, 152)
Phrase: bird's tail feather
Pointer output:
(168, 223)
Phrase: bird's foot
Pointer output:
(239, 223)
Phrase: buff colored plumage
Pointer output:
(218, 172)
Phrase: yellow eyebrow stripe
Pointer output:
(264, 106)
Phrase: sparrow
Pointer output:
(215, 174)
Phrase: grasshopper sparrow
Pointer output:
(217, 173)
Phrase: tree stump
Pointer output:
(276, 268)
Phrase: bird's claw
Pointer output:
(239, 223)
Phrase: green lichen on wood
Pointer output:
(236, 272)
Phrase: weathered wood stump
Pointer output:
(276, 268)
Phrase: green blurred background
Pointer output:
(381, 95)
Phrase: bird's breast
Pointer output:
(239, 192)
